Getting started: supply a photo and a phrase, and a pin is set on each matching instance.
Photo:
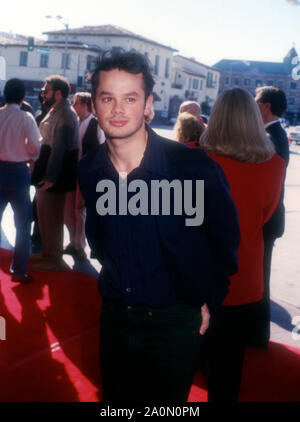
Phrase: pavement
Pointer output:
(285, 276)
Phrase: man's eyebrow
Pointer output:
(128, 94)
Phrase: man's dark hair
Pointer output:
(275, 96)
(59, 83)
(14, 91)
(129, 61)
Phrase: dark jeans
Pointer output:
(14, 189)
(148, 354)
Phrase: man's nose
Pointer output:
(118, 106)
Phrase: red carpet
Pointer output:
(51, 347)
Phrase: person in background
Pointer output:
(192, 107)
(272, 104)
(188, 129)
(54, 173)
(27, 107)
(90, 136)
(235, 138)
(19, 144)
(36, 240)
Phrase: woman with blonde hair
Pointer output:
(188, 129)
(236, 139)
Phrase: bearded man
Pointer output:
(55, 171)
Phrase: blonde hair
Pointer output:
(188, 128)
(235, 129)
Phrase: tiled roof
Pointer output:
(244, 66)
(108, 30)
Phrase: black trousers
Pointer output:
(232, 328)
(148, 354)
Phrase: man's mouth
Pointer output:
(118, 123)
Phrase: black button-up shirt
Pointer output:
(133, 267)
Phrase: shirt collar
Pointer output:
(271, 123)
(87, 119)
(13, 105)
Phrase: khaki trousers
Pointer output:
(50, 209)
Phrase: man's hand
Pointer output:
(45, 185)
(205, 319)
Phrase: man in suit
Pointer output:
(90, 135)
(272, 104)
(162, 273)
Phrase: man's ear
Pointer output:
(57, 95)
(148, 105)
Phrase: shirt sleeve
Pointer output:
(33, 138)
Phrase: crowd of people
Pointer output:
(169, 290)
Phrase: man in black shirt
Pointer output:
(162, 272)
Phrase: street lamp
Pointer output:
(66, 25)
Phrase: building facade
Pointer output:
(252, 74)
(192, 80)
(74, 53)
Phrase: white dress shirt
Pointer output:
(19, 135)
(271, 123)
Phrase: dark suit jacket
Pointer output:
(275, 226)
(199, 259)
(90, 139)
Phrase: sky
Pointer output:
(207, 30)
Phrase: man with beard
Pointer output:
(55, 171)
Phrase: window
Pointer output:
(65, 59)
(44, 60)
(270, 83)
(90, 63)
(280, 84)
(236, 81)
(293, 85)
(291, 101)
(190, 83)
(167, 70)
(227, 80)
(195, 83)
(209, 80)
(247, 82)
(258, 82)
(23, 58)
(156, 66)
(201, 85)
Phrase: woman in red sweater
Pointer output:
(236, 139)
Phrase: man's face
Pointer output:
(264, 108)
(120, 103)
(48, 95)
(81, 109)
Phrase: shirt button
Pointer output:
(150, 314)
(128, 290)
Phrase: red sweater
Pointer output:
(255, 189)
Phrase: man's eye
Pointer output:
(106, 99)
(130, 100)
